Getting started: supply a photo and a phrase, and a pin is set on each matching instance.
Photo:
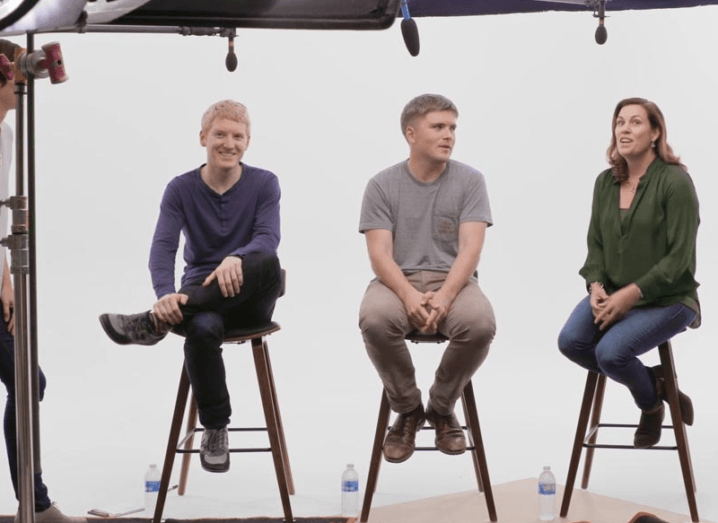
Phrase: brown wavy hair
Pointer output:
(619, 166)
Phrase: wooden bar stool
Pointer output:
(591, 406)
(475, 443)
(274, 427)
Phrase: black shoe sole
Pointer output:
(111, 333)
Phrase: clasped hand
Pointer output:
(427, 310)
(609, 309)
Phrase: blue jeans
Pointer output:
(7, 376)
(614, 352)
(207, 315)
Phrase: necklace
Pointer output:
(633, 186)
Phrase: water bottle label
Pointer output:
(350, 486)
(152, 486)
(548, 489)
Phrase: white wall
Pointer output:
(535, 95)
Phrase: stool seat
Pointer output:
(421, 337)
(475, 445)
(592, 405)
(239, 335)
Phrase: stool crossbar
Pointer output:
(473, 430)
(274, 427)
(586, 437)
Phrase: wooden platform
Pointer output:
(516, 503)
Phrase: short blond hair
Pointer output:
(228, 109)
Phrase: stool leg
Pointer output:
(679, 428)
(189, 429)
(180, 405)
(381, 426)
(477, 470)
(280, 425)
(588, 395)
(270, 415)
(473, 422)
(595, 420)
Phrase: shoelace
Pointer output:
(217, 440)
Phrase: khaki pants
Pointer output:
(469, 325)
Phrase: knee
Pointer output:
(566, 342)
(610, 361)
(268, 263)
(42, 385)
(376, 327)
(478, 331)
(205, 330)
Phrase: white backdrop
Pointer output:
(535, 95)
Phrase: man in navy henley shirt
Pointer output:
(229, 214)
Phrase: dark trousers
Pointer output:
(7, 376)
(208, 314)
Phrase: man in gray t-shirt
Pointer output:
(424, 220)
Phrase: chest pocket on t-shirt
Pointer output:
(445, 230)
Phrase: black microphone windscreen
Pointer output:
(411, 35)
(231, 61)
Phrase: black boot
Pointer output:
(684, 401)
(648, 432)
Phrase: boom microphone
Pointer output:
(410, 32)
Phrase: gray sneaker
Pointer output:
(138, 329)
(214, 450)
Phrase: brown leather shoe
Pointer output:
(449, 434)
(399, 442)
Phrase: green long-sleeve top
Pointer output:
(653, 245)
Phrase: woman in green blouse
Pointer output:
(640, 266)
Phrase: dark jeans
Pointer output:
(7, 375)
(614, 352)
(208, 314)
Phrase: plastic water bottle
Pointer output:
(152, 489)
(547, 495)
(350, 491)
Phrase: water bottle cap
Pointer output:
(153, 465)
(547, 467)
(350, 465)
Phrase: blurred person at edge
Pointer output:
(45, 510)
